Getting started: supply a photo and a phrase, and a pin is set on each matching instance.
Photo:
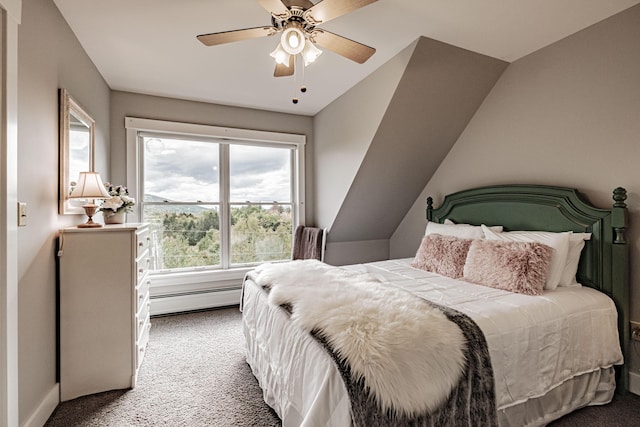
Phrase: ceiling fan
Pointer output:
(297, 20)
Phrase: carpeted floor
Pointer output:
(195, 374)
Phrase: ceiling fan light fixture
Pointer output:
(292, 40)
(310, 52)
(280, 55)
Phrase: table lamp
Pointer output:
(89, 186)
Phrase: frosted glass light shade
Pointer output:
(280, 55)
(310, 53)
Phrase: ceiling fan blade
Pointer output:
(283, 70)
(235, 35)
(350, 49)
(276, 7)
(305, 4)
(327, 10)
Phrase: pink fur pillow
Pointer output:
(512, 266)
(444, 255)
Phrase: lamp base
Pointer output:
(90, 210)
(89, 225)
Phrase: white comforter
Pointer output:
(536, 343)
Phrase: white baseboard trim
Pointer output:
(42, 413)
(194, 301)
(634, 383)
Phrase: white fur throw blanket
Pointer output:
(409, 355)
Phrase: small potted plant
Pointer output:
(114, 209)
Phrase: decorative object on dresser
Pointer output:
(88, 187)
(104, 307)
(115, 208)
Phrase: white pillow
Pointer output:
(461, 231)
(576, 244)
(558, 241)
(496, 228)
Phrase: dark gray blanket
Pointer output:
(471, 403)
(307, 243)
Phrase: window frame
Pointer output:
(195, 280)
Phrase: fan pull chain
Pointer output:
(303, 88)
(295, 99)
(295, 80)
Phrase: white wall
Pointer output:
(566, 115)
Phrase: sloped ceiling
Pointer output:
(439, 92)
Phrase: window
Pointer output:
(217, 199)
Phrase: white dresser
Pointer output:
(104, 307)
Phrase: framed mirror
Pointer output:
(77, 140)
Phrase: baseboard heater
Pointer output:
(197, 300)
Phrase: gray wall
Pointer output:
(49, 57)
(344, 130)
(375, 150)
(440, 90)
(566, 115)
(126, 104)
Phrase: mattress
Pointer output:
(562, 344)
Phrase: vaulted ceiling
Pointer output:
(149, 46)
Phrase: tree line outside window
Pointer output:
(215, 204)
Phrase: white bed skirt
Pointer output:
(302, 384)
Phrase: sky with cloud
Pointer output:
(181, 170)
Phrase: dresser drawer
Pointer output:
(141, 346)
(143, 241)
(142, 290)
(142, 318)
(142, 267)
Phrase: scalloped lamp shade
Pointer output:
(89, 187)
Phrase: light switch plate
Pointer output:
(22, 214)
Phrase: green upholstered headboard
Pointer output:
(604, 263)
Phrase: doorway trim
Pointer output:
(10, 13)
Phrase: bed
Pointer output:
(549, 354)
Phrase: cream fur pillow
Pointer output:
(512, 266)
(443, 255)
